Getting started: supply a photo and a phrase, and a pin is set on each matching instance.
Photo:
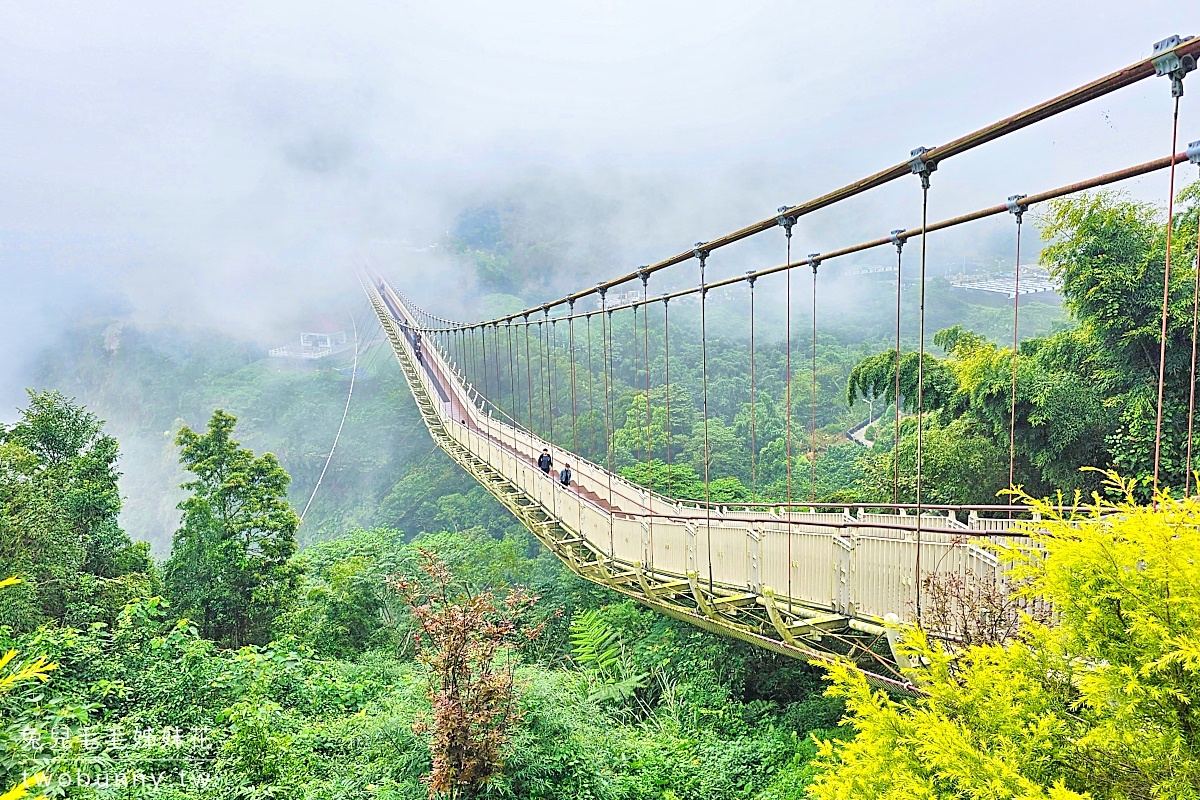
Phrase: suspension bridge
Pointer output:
(798, 577)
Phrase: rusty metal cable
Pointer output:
(541, 378)
(1192, 383)
(499, 383)
(788, 401)
(896, 436)
(921, 383)
(551, 386)
(753, 432)
(574, 396)
(591, 384)
(1012, 410)
(649, 415)
(702, 256)
(1162, 345)
(484, 362)
(1105, 179)
(512, 376)
(667, 379)
(1073, 98)
(607, 348)
(529, 384)
(812, 433)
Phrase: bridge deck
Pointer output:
(799, 582)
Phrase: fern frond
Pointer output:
(595, 645)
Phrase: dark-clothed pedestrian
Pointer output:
(564, 477)
(545, 462)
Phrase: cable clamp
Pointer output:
(751, 278)
(1169, 63)
(896, 239)
(699, 252)
(1016, 207)
(814, 261)
(920, 166)
(644, 274)
(666, 298)
(1193, 152)
(603, 290)
(786, 221)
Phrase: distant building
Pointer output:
(314, 345)
(619, 299)
(1034, 281)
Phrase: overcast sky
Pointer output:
(224, 163)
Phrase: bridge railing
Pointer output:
(863, 561)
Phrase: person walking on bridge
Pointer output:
(545, 462)
(564, 477)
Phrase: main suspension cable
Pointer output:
(1105, 179)
(1076, 97)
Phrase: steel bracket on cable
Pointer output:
(785, 221)
(897, 239)
(1193, 152)
(1015, 206)
(1169, 63)
(920, 166)
(751, 277)
(702, 254)
(813, 261)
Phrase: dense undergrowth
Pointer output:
(327, 709)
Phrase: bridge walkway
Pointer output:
(806, 583)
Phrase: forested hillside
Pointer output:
(164, 681)
(410, 639)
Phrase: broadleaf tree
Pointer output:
(1102, 701)
(230, 565)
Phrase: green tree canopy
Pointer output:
(59, 503)
(1103, 703)
(1085, 396)
(229, 564)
